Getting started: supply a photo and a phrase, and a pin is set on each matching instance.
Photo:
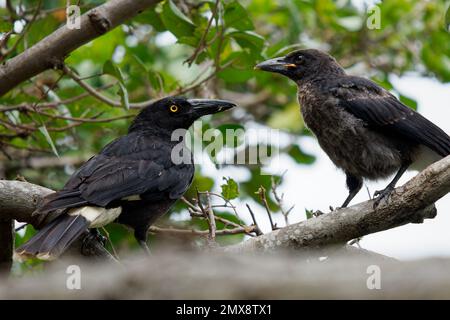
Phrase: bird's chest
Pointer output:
(347, 140)
(330, 124)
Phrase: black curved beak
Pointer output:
(209, 106)
(278, 65)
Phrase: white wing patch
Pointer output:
(97, 216)
(135, 197)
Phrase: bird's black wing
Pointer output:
(127, 167)
(381, 110)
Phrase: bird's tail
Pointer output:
(52, 240)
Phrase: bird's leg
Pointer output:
(385, 193)
(141, 237)
(145, 247)
(354, 184)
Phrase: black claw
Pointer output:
(91, 241)
(317, 213)
(382, 194)
(98, 236)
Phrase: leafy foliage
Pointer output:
(230, 190)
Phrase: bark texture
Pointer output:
(51, 51)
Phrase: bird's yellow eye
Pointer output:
(173, 108)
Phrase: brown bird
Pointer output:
(364, 129)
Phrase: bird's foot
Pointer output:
(317, 213)
(92, 239)
(98, 236)
(382, 194)
(355, 241)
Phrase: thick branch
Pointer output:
(19, 199)
(410, 203)
(52, 50)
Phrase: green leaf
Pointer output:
(151, 17)
(409, 102)
(232, 75)
(190, 41)
(28, 233)
(139, 62)
(235, 132)
(124, 96)
(175, 21)
(248, 40)
(447, 20)
(13, 116)
(277, 50)
(230, 190)
(110, 68)
(309, 214)
(287, 118)
(5, 26)
(236, 16)
(156, 80)
(44, 131)
(116, 72)
(200, 183)
(299, 156)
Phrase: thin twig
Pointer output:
(255, 223)
(227, 202)
(202, 43)
(87, 120)
(196, 211)
(262, 196)
(22, 34)
(221, 232)
(211, 220)
(280, 200)
(110, 243)
(52, 104)
(90, 89)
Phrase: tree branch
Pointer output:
(52, 50)
(410, 203)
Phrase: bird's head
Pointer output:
(303, 64)
(173, 113)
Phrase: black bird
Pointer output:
(364, 129)
(133, 180)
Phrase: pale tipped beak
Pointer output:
(277, 65)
